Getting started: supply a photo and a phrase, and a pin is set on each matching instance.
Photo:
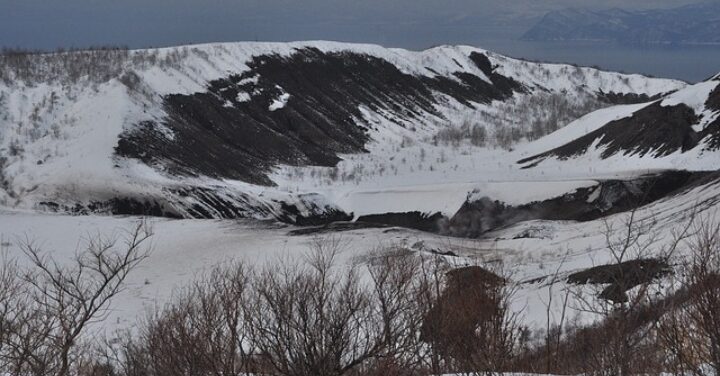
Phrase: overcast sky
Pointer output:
(415, 24)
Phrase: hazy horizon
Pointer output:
(413, 24)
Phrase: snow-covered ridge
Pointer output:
(192, 66)
(60, 127)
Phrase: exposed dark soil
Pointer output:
(475, 218)
(627, 98)
(207, 203)
(608, 197)
(472, 220)
(503, 84)
(713, 129)
(335, 227)
(216, 135)
(621, 277)
(116, 206)
(713, 101)
(319, 215)
(655, 129)
(414, 220)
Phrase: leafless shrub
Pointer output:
(623, 342)
(555, 327)
(131, 80)
(96, 64)
(314, 320)
(506, 137)
(202, 332)
(311, 317)
(413, 315)
(472, 326)
(690, 332)
(404, 291)
(527, 117)
(10, 287)
(476, 134)
(54, 303)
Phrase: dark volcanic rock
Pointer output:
(319, 215)
(483, 63)
(609, 197)
(713, 101)
(502, 84)
(116, 206)
(335, 227)
(219, 134)
(621, 277)
(209, 203)
(656, 130)
(415, 220)
(713, 129)
(627, 98)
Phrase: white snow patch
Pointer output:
(279, 103)
(594, 195)
(250, 80)
(693, 96)
(243, 97)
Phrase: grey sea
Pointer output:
(689, 63)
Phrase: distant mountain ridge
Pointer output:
(690, 24)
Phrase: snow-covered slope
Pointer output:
(679, 131)
(611, 160)
(541, 253)
(210, 131)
